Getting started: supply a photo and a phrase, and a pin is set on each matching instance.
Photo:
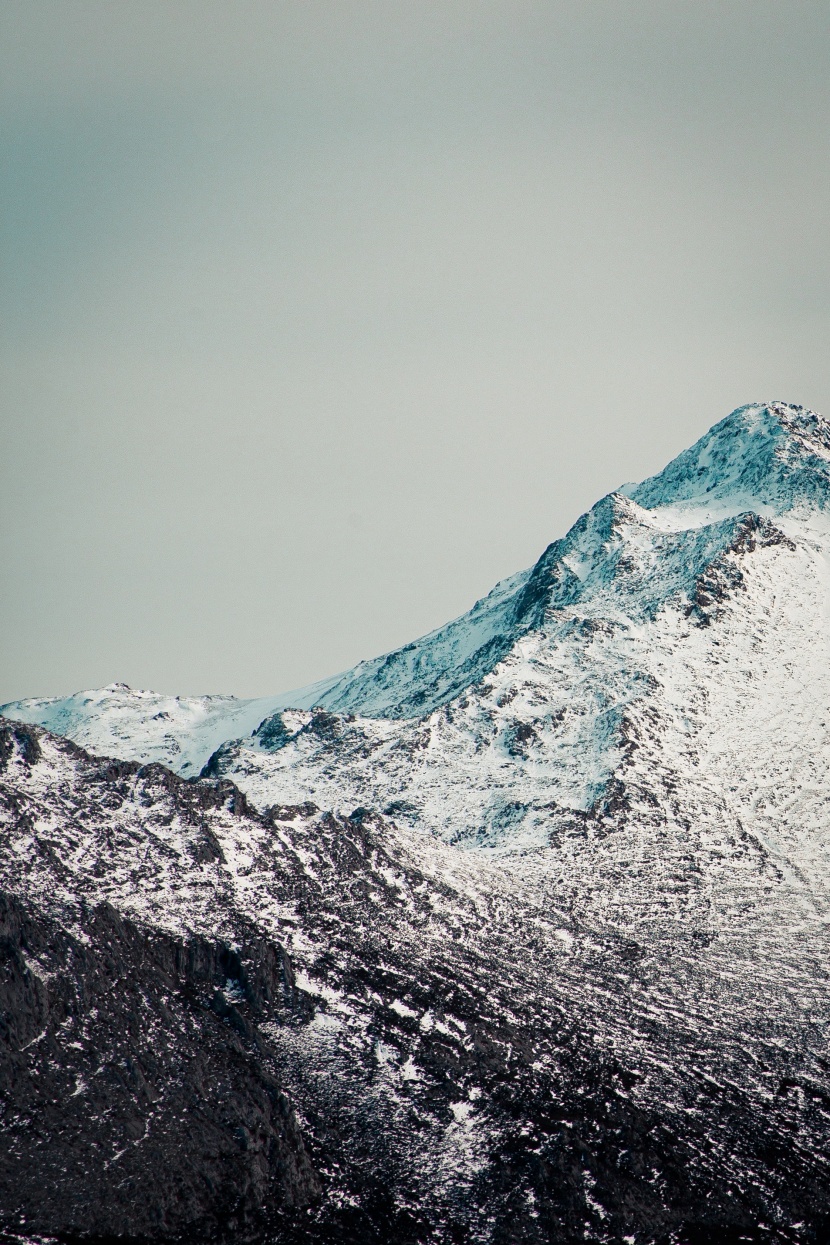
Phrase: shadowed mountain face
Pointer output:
(552, 966)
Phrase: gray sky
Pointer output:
(319, 318)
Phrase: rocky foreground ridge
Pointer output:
(551, 964)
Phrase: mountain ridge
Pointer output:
(788, 466)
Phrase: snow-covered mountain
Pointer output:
(178, 731)
(183, 731)
(550, 966)
(662, 631)
(671, 625)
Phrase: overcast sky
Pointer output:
(320, 318)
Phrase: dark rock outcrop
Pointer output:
(138, 1096)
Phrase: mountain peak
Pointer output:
(771, 457)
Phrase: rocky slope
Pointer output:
(297, 1027)
(551, 967)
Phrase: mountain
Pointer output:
(183, 731)
(529, 707)
(549, 965)
(660, 637)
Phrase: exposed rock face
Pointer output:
(553, 966)
(226, 1024)
(137, 1095)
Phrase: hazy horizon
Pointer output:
(318, 320)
